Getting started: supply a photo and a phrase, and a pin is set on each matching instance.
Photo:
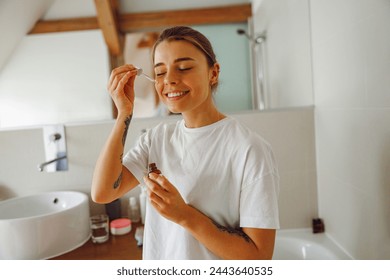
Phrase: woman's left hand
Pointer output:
(165, 198)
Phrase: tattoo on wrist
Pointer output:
(118, 181)
(235, 231)
(127, 124)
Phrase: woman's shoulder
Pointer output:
(245, 136)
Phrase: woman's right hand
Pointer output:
(121, 88)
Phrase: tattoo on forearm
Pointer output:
(127, 123)
(118, 181)
(235, 231)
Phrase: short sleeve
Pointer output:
(259, 203)
(260, 190)
(136, 159)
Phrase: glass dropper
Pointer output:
(140, 72)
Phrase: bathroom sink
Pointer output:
(44, 225)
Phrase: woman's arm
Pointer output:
(111, 179)
(227, 243)
(230, 243)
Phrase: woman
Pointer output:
(217, 195)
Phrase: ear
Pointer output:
(214, 74)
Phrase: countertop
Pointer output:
(118, 247)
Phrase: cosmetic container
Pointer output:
(120, 226)
(133, 210)
(113, 209)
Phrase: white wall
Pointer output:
(290, 132)
(351, 64)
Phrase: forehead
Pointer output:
(169, 51)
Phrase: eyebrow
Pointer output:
(175, 61)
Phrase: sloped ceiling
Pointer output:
(16, 19)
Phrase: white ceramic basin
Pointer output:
(44, 225)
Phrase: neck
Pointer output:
(203, 118)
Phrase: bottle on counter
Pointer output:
(113, 209)
(133, 210)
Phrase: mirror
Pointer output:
(283, 53)
(62, 77)
(55, 78)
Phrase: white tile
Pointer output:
(376, 40)
(339, 71)
(330, 18)
(342, 145)
(353, 177)
(297, 200)
(378, 157)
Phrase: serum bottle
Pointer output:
(153, 168)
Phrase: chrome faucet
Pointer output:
(42, 165)
(55, 149)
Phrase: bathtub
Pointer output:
(302, 244)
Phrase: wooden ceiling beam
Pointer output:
(107, 18)
(215, 15)
(63, 25)
(151, 20)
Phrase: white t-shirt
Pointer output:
(224, 170)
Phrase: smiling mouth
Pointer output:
(176, 94)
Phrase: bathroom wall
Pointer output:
(290, 132)
(351, 66)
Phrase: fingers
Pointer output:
(160, 189)
(160, 179)
(156, 184)
(120, 76)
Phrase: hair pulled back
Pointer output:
(190, 35)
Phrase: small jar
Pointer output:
(120, 226)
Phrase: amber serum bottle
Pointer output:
(153, 168)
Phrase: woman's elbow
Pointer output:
(98, 196)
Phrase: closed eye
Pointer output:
(185, 69)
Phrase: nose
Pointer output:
(170, 78)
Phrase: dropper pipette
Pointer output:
(140, 72)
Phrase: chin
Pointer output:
(175, 109)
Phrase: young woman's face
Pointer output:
(183, 77)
